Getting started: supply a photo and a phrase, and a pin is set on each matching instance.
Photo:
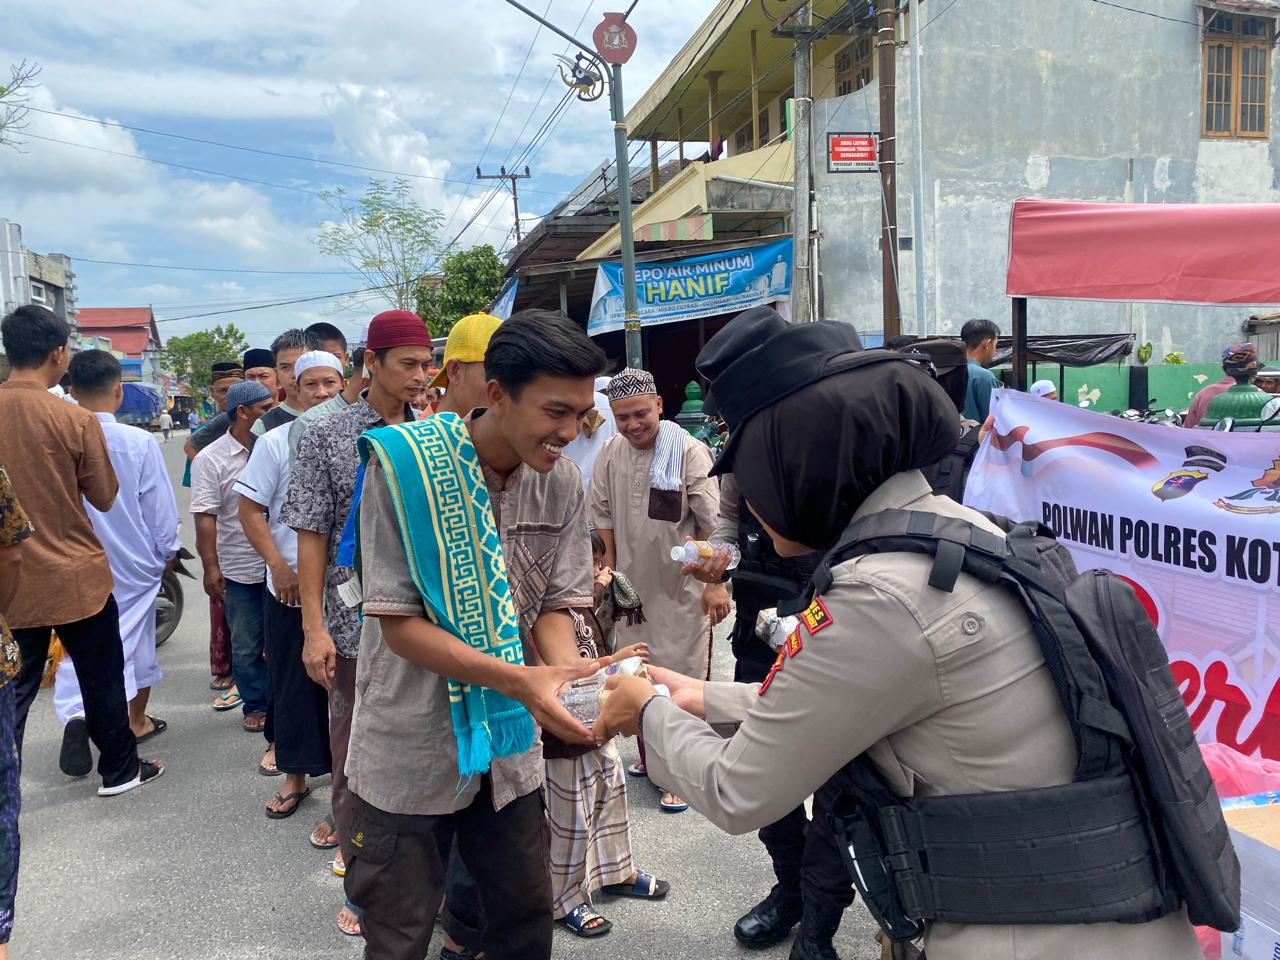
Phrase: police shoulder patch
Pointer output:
(816, 617)
(773, 672)
(794, 644)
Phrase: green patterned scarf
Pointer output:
(455, 557)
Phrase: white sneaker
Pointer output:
(147, 771)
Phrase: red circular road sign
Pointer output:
(615, 40)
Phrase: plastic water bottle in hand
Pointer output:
(582, 698)
(698, 552)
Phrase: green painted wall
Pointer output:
(1170, 385)
(1106, 387)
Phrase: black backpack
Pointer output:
(948, 476)
(1137, 834)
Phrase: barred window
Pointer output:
(853, 65)
(1237, 75)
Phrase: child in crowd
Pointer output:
(587, 789)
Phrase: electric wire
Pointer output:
(179, 166)
(261, 152)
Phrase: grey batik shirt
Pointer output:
(321, 486)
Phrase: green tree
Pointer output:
(468, 283)
(191, 357)
(386, 237)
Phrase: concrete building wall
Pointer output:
(1034, 98)
(13, 268)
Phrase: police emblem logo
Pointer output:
(794, 644)
(816, 617)
(1178, 484)
(1186, 478)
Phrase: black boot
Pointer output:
(770, 920)
(813, 940)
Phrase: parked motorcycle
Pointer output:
(1165, 416)
(169, 601)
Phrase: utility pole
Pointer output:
(515, 195)
(802, 138)
(595, 68)
(887, 49)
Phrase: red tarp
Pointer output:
(1174, 252)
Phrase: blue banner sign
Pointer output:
(506, 300)
(705, 286)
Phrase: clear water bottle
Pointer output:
(698, 551)
(582, 697)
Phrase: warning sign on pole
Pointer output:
(853, 152)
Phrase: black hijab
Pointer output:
(806, 463)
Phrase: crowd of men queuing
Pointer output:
(327, 497)
(87, 503)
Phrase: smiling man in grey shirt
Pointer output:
(410, 799)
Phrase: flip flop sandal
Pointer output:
(254, 722)
(328, 822)
(268, 771)
(637, 770)
(645, 887)
(297, 797)
(359, 918)
(336, 869)
(228, 701)
(577, 919)
(157, 727)
(680, 807)
(222, 683)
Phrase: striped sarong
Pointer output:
(587, 817)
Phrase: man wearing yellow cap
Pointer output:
(462, 373)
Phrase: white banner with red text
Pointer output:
(1190, 517)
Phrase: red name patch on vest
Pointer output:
(794, 644)
(816, 617)
(773, 672)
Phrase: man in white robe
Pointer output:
(140, 536)
(650, 492)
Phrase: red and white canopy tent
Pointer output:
(1125, 252)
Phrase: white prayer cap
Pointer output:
(1042, 388)
(315, 358)
(602, 384)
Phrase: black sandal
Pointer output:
(576, 920)
(297, 797)
(644, 887)
(158, 727)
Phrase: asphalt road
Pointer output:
(189, 867)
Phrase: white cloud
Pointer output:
(107, 159)
(386, 83)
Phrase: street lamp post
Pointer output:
(605, 66)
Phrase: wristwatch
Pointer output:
(658, 695)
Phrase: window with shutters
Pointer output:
(853, 65)
(1237, 75)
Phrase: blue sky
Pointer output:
(410, 87)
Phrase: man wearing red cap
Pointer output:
(321, 488)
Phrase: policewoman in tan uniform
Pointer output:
(947, 692)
